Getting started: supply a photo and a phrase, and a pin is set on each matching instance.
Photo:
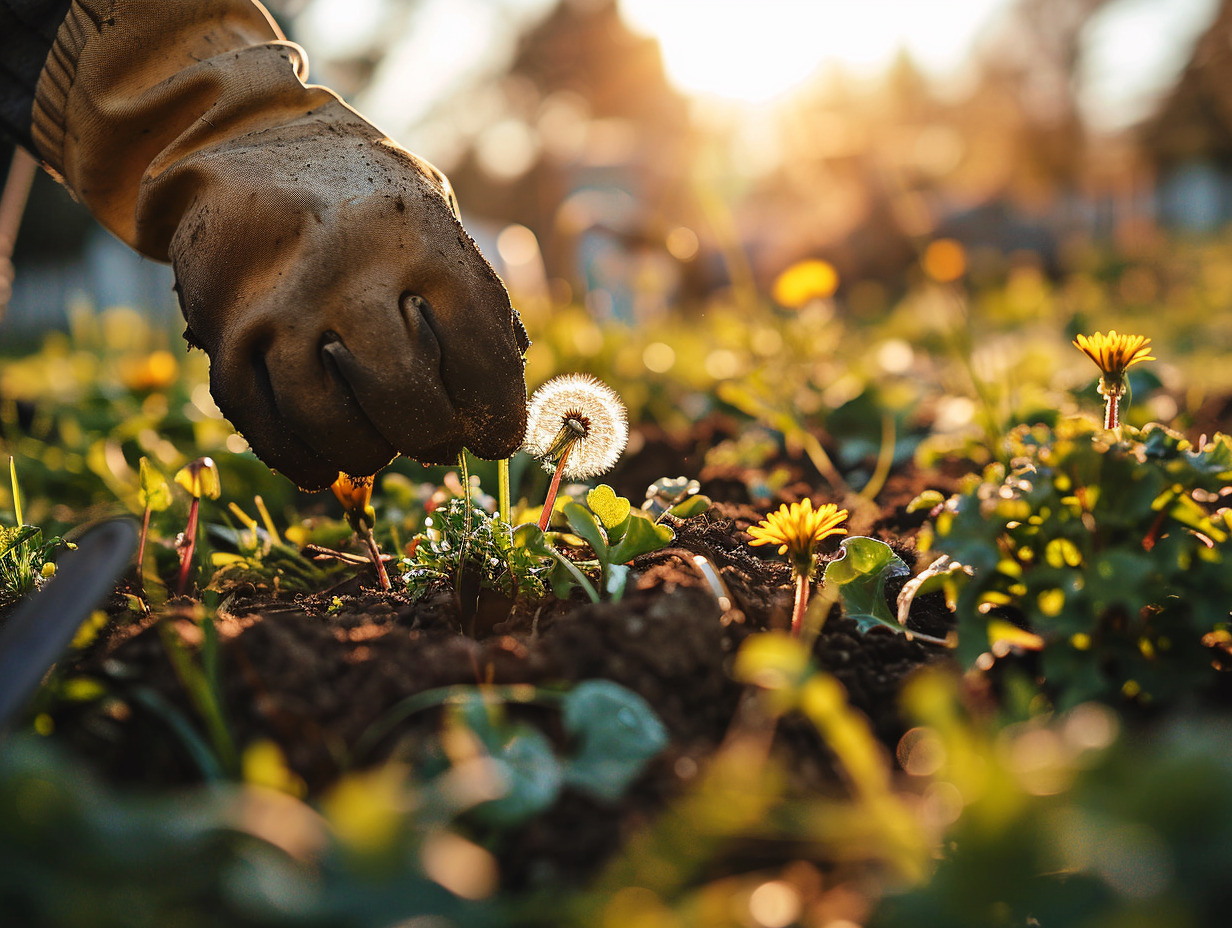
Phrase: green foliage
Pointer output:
(1067, 821)
(612, 734)
(615, 532)
(1114, 552)
(73, 854)
(457, 534)
(260, 556)
(859, 573)
(25, 561)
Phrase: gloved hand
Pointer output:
(346, 313)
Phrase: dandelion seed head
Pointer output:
(583, 414)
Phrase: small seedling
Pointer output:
(1113, 354)
(155, 496)
(25, 558)
(577, 426)
(355, 494)
(199, 478)
(453, 536)
(615, 531)
(797, 530)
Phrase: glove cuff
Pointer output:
(54, 84)
(132, 86)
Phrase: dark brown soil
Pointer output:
(314, 672)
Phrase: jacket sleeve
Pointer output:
(27, 31)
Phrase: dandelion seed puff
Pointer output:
(582, 414)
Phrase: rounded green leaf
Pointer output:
(611, 509)
(155, 493)
(860, 573)
(616, 733)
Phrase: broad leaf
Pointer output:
(587, 527)
(692, 506)
(642, 536)
(531, 537)
(615, 732)
(611, 509)
(860, 573)
(523, 757)
(155, 493)
(943, 575)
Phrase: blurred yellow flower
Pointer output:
(945, 260)
(1113, 353)
(797, 529)
(155, 371)
(805, 281)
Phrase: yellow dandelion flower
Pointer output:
(797, 529)
(1113, 353)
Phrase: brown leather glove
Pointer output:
(346, 313)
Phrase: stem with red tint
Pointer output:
(190, 543)
(375, 554)
(145, 531)
(553, 489)
(802, 596)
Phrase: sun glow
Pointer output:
(757, 51)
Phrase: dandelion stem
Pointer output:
(189, 544)
(16, 491)
(802, 597)
(375, 554)
(553, 489)
(502, 492)
(145, 531)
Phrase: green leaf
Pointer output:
(929, 499)
(694, 505)
(13, 538)
(531, 538)
(616, 733)
(532, 776)
(944, 575)
(523, 757)
(642, 536)
(860, 572)
(155, 493)
(611, 509)
(617, 580)
(586, 527)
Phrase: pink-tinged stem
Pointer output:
(1112, 410)
(553, 489)
(802, 597)
(190, 543)
(375, 553)
(145, 531)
